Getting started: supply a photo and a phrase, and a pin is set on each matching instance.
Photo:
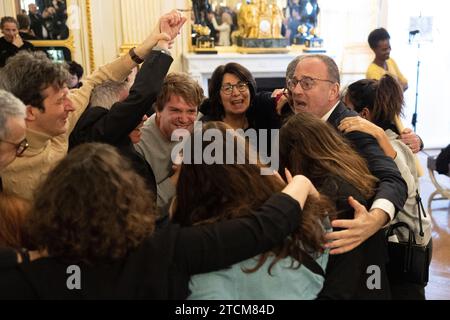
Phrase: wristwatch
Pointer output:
(165, 51)
(135, 57)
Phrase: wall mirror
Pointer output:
(221, 17)
(45, 23)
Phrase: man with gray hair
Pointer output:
(12, 129)
(313, 85)
(108, 93)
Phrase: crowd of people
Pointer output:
(94, 176)
(47, 20)
(224, 21)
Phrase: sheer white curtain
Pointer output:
(7, 8)
(433, 106)
(139, 17)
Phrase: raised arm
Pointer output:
(125, 116)
(119, 69)
(359, 124)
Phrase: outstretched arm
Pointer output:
(210, 247)
(359, 124)
(390, 196)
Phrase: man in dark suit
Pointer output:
(313, 84)
(36, 22)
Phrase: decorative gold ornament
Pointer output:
(259, 19)
(202, 30)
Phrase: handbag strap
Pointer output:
(312, 264)
(420, 209)
(392, 227)
(409, 245)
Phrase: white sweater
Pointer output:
(405, 162)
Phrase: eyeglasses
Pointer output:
(305, 82)
(20, 147)
(228, 88)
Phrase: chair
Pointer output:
(441, 190)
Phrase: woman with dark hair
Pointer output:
(207, 193)
(379, 103)
(314, 148)
(233, 99)
(94, 213)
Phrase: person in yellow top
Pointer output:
(383, 63)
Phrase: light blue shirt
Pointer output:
(284, 283)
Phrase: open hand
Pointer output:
(357, 230)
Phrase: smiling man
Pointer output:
(176, 108)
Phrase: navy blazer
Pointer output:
(391, 186)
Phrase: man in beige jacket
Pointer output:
(52, 110)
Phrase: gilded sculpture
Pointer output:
(260, 19)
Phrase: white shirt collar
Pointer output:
(328, 114)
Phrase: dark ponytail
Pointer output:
(388, 103)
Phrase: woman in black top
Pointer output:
(93, 214)
(312, 147)
(233, 99)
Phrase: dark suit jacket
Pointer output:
(391, 187)
(347, 273)
(97, 124)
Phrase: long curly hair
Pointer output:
(92, 207)
(207, 193)
(312, 147)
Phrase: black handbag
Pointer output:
(408, 262)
